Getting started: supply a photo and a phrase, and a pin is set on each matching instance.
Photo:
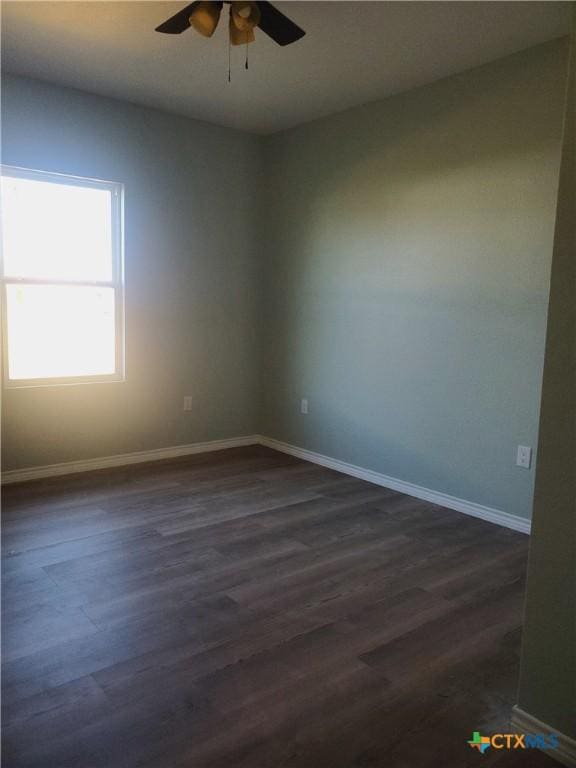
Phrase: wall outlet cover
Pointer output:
(524, 456)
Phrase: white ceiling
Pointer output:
(353, 52)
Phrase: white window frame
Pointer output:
(117, 282)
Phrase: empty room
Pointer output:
(288, 384)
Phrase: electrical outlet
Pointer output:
(524, 456)
(304, 406)
(188, 402)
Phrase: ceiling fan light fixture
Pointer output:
(245, 16)
(240, 36)
(205, 16)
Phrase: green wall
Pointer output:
(191, 276)
(548, 670)
(408, 253)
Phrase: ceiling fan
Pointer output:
(244, 17)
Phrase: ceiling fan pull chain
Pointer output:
(246, 64)
(229, 57)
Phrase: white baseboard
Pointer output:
(71, 467)
(523, 722)
(436, 497)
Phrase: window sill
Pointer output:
(68, 382)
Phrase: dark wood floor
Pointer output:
(248, 609)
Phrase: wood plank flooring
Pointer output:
(247, 609)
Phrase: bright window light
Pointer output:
(62, 275)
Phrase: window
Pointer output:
(62, 277)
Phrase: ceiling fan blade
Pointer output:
(277, 26)
(179, 22)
